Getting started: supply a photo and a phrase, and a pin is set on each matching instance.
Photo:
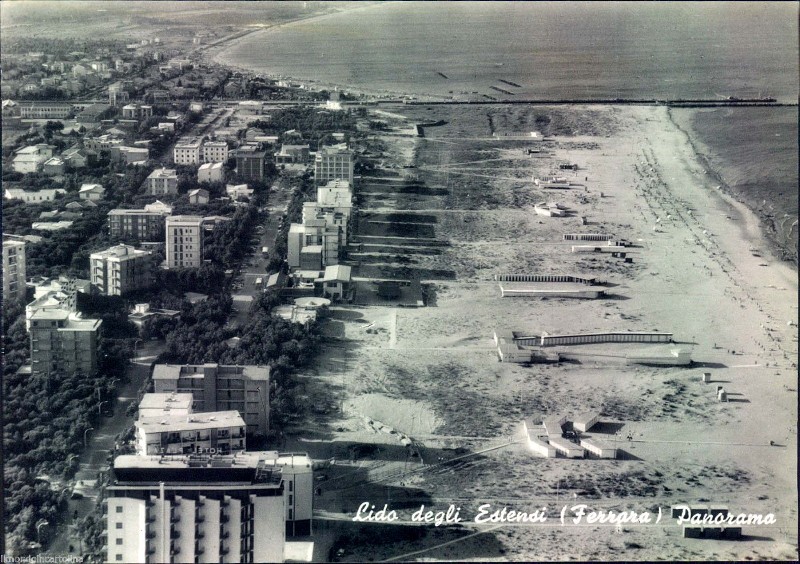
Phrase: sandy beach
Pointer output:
(693, 274)
(702, 269)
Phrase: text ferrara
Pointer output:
(579, 514)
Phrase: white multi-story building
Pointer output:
(187, 151)
(162, 181)
(13, 270)
(120, 269)
(184, 241)
(210, 172)
(197, 509)
(213, 432)
(313, 244)
(215, 152)
(333, 163)
(62, 341)
(317, 242)
(220, 388)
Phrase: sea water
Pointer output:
(550, 49)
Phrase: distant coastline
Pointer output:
(784, 242)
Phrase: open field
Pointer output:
(463, 214)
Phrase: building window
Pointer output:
(118, 558)
(119, 509)
(119, 541)
(119, 525)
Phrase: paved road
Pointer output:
(100, 444)
(255, 264)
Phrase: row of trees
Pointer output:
(44, 424)
(315, 123)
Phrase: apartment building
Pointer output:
(196, 509)
(121, 269)
(220, 388)
(187, 151)
(210, 172)
(13, 269)
(215, 152)
(333, 163)
(313, 244)
(250, 163)
(184, 241)
(139, 224)
(214, 432)
(162, 181)
(62, 341)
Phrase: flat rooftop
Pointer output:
(166, 401)
(193, 422)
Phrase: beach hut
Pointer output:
(599, 448)
(566, 447)
(585, 421)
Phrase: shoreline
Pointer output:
(702, 285)
(777, 247)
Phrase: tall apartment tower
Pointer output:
(333, 163)
(61, 341)
(250, 163)
(13, 270)
(216, 387)
(196, 509)
(184, 241)
(120, 269)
